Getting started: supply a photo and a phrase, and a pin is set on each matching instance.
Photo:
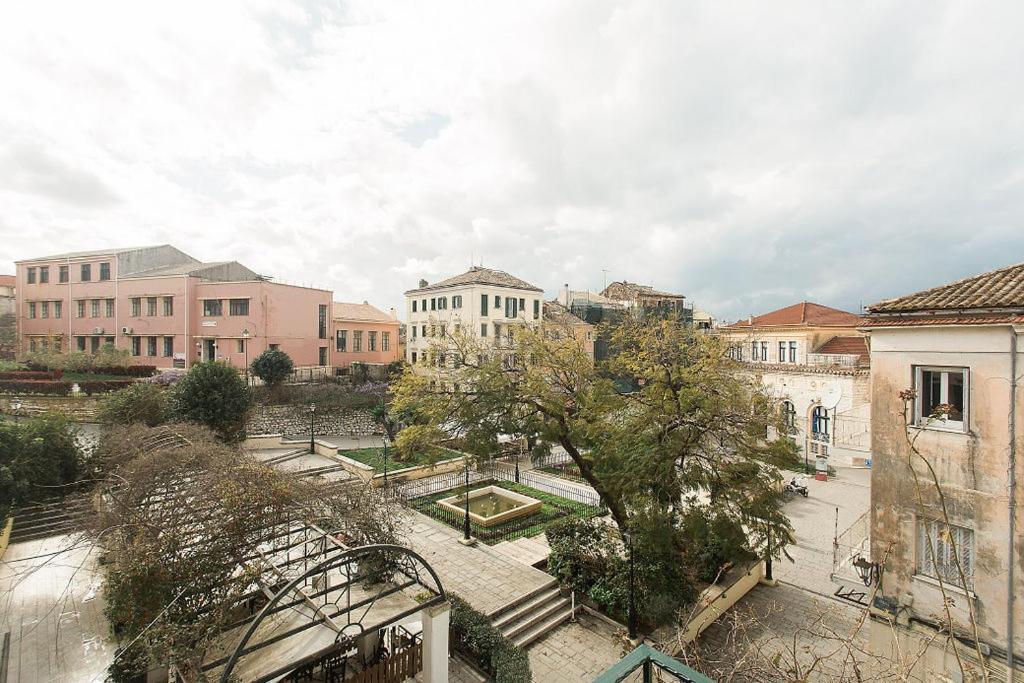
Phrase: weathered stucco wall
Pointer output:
(971, 467)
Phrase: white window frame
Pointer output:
(941, 424)
(961, 537)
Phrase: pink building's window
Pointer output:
(213, 307)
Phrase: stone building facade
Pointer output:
(814, 361)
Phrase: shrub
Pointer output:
(34, 386)
(140, 402)
(31, 374)
(273, 366)
(101, 386)
(215, 395)
(166, 378)
(127, 371)
(37, 457)
(107, 361)
(588, 557)
(326, 396)
(474, 637)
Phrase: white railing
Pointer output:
(846, 360)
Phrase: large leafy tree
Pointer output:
(213, 394)
(691, 428)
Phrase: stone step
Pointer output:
(37, 534)
(528, 621)
(540, 630)
(530, 554)
(546, 586)
(514, 615)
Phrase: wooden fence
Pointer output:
(401, 666)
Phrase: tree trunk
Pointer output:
(615, 505)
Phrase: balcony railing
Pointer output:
(846, 360)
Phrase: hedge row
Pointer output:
(475, 637)
(31, 374)
(60, 387)
(126, 371)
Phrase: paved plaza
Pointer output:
(814, 523)
(577, 651)
(479, 574)
(52, 605)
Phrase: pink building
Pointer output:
(167, 308)
(364, 334)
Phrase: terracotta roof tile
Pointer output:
(478, 275)
(1002, 288)
(341, 310)
(934, 320)
(846, 346)
(7, 281)
(803, 314)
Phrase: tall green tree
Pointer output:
(694, 427)
(215, 395)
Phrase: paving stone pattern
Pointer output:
(577, 651)
(814, 523)
(481, 575)
(789, 622)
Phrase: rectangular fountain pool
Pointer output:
(491, 505)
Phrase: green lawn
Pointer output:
(553, 509)
(374, 457)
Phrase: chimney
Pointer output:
(750, 319)
(423, 283)
(393, 313)
(566, 302)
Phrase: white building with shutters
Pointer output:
(481, 303)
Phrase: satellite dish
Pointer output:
(831, 396)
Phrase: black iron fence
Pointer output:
(559, 465)
(501, 471)
(561, 499)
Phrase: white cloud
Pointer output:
(745, 154)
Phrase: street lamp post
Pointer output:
(385, 440)
(245, 347)
(16, 407)
(519, 453)
(465, 512)
(632, 589)
(768, 554)
(312, 412)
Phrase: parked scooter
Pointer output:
(797, 485)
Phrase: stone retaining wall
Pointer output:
(78, 408)
(294, 421)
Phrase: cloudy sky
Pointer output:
(748, 155)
